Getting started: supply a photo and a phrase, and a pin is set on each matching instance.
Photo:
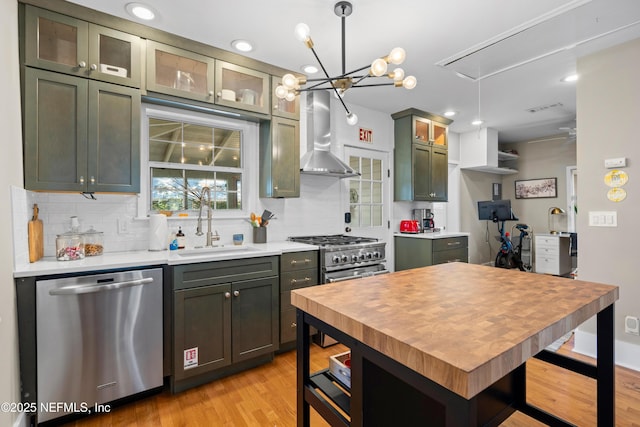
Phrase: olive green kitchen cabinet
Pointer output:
(297, 270)
(80, 134)
(420, 156)
(282, 107)
(419, 251)
(68, 45)
(280, 158)
(243, 88)
(225, 317)
(180, 72)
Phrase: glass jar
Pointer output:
(93, 245)
(69, 246)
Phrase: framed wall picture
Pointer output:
(537, 188)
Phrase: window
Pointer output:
(189, 151)
(365, 192)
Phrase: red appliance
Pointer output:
(409, 226)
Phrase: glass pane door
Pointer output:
(241, 87)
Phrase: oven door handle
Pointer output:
(360, 276)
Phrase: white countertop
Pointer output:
(113, 260)
(436, 235)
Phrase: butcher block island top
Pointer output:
(461, 325)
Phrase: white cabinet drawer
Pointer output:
(548, 250)
(547, 265)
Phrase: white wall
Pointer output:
(11, 174)
(608, 95)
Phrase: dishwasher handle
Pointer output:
(93, 288)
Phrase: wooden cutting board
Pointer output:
(36, 238)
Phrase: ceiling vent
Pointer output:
(561, 29)
(544, 107)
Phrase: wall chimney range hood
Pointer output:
(318, 160)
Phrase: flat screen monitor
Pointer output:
(496, 210)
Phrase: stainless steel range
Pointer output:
(345, 257)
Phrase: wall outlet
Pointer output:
(632, 325)
(123, 226)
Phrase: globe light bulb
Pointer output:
(398, 74)
(409, 82)
(281, 91)
(352, 119)
(397, 55)
(378, 67)
(290, 96)
(302, 32)
(289, 81)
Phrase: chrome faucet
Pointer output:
(210, 236)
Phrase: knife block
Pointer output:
(259, 234)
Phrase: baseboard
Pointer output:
(626, 354)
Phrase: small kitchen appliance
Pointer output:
(410, 226)
(425, 219)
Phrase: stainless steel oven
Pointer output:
(344, 257)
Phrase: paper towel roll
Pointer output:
(158, 232)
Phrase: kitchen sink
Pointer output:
(216, 250)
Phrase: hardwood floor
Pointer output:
(266, 396)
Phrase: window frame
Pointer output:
(249, 143)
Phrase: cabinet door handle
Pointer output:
(453, 260)
(305, 261)
(293, 325)
(92, 180)
(453, 243)
(211, 93)
(236, 293)
(227, 295)
(82, 64)
(296, 281)
(93, 67)
(81, 179)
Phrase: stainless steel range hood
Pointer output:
(318, 160)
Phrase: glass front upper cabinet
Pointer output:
(240, 87)
(421, 130)
(179, 72)
(440, 134)
(72, 46)
(282, 107)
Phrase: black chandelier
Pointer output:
(291, 85)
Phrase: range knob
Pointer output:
(345, 258)
(354, 258)
(376, 254)
(361, 257)
(369, 255)
(336, 259)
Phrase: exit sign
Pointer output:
(366, 135)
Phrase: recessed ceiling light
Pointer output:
(449, 113)
(242, 45)
(570, 78)
(309, 69)
(141, 11)
(477, 122)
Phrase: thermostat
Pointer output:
(620, 162)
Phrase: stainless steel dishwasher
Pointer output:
(99, 338)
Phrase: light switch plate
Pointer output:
(603, 219)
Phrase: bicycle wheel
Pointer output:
(506, 260)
